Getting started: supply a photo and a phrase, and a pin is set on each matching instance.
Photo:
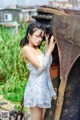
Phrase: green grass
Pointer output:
(13, 71)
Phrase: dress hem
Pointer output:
(37, 106)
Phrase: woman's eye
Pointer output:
(37, 36)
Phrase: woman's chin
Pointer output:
(37, 44)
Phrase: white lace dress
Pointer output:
(39, 89)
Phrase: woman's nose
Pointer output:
(40, 38)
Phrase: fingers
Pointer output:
(47, 36)
(52, 39)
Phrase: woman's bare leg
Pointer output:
(43, 113)
(36, 113)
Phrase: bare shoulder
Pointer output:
(25, 50)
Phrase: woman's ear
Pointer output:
(29, 35)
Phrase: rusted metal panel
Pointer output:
(67, 28)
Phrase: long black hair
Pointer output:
(31, 29)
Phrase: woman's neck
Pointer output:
(32, 46)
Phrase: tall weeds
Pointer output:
(13, 71)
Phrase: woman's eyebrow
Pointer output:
(39, 34)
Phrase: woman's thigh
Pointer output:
(36, 113)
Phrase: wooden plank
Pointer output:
(51, 10)
(58, 11)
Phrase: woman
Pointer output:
(39, 89)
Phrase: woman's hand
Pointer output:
(52, 43)
(47, 37)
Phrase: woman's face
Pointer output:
(36, 38)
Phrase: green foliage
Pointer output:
(13, 71)
(42, 47)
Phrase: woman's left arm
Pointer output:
(47, 41)
(47, 45)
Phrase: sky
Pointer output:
(4, 3)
